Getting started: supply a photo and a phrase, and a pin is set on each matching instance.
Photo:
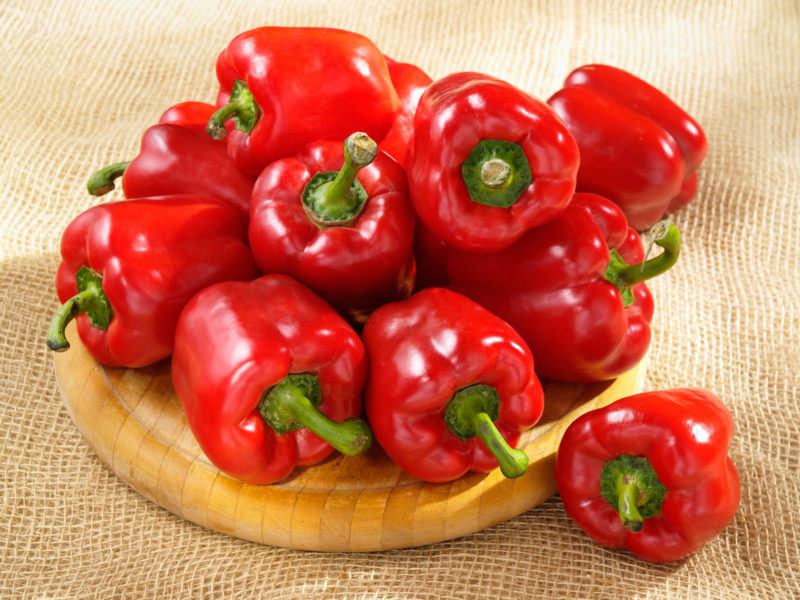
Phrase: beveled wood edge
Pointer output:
(332, 520)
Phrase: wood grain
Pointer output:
(134, 422)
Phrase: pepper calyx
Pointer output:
(336, 198)
(90, 300)
(293, 404)
(241, 107)
(496, 173)
(631, 486)
(472, 411)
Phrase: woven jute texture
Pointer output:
(80, 81)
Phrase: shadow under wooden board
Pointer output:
(134, 422)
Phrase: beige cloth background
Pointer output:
(81, 80)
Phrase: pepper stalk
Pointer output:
(336, 198)
(472, 411)
(90, 299)
(102, 181)
(241, 107)
(625, 276)
(293, 404)
(630, 485)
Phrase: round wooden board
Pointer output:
(134, 422)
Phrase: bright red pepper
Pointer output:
(430, 253)
(129, 267)
(451, 387)
(409, 82)
(571, 288)
(194, 115)
(637, 146)
(286, 87)
(651, 473)
(347, 238)
(487, 162)
(269, 376)
(177, 157)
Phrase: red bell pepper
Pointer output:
(638, 147)
(129, 267)
(177, 157)
(348, 238)
(651, 473)
(572, 288)
(191, 114)
(286, 87)
(270, 378)
(488, 162)
(450, 387)
(430, 253)
(409, 82)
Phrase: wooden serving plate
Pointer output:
(134, 422)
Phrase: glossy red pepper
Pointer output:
(409, 82)
(450, 388)
(637, 146)
(191, 114)
(129, 267)
(572, 288)
(488, 162)
(337, 218)
(177, 157)
(286, 87)
(270, 378)
(651, 473)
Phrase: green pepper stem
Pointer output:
(350, 437)
(513, 462)
(338, 197)
(496, 173)
(670, 241)
(216, 124)
(102, 181)
(631, 487)
(56, 339)
(628, 499)
(241, 107)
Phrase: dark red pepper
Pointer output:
(451, 387)
(651, 473)
(270, 378)
(572, 288)
(129, 267)
(637, 146)
(337, 218)
(409, 82)
(488, 162)
(177, 157)
(286, 87)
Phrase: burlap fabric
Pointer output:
(81, 80)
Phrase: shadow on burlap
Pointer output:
(81, 81)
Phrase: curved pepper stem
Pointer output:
(336, 197)
(630, 485)
(102, 181)
(472, 411)
(623, 275)
(668, 237)
(90, 299)
(241, 107)
(292, 404)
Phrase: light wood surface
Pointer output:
(134, 422)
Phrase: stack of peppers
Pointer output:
(282, 219)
